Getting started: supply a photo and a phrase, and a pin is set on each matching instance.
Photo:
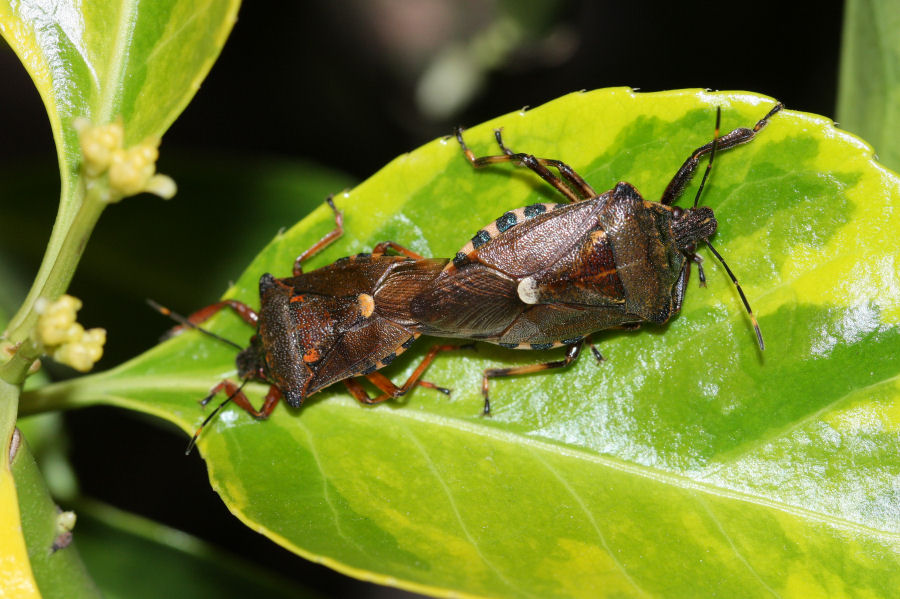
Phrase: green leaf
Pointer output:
(58, 569)
(125, 58)
(139, 61)
(182, 565)
(869, 90)
(686, 464)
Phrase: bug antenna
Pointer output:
(712, 155)
(734, 280)
(187, 323)
(212, 414)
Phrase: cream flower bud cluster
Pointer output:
(129, 170)
(64, 338)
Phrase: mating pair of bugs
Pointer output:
(546, 275)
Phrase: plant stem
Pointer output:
(54, 276)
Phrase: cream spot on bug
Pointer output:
(528, 291)
(366, 304)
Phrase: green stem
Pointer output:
(54, 276)
(9, 401)
(15, 370)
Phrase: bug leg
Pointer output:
(428, 385)
(235, 394)
(326, 240)
(737, 137)
(597, 355)
(572, 353)
(526, 160)
(702, 276)
(390, 390)
(384, 246)
(247, 314)
(579, 185)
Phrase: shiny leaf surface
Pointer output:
(134, 62)
(122, 59)
(687, 464)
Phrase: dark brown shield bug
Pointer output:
(550, 275)
(333, 324)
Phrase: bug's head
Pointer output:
(692, 226)
(249, 360)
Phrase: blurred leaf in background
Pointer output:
(869, 92)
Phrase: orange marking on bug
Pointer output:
(298, 298)
(366, 304)
(311, 355)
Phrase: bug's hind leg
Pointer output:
(384, 246)
(326, 240)
(389, 389)
(737, 137)
(572, 353)
(526, 160)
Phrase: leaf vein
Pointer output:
(326, 492)
(452, 501)
(590, 516)
(734, 548)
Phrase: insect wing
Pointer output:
(472, 301)
(533, 244)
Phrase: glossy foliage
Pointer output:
(687, 464)
(58, 573)
(122, 59)
(869, 93)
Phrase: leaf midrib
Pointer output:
(499, 435)
(117, 61)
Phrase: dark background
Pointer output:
(334, 83)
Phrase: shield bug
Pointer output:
(551, 274)
(336, 323)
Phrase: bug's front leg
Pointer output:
(572, 353)
(700, 274)
(235, 394)
(737, 137)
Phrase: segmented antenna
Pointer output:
(734, 280)
(187, 323)
(712, 155)
(211, 415)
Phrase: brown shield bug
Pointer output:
(550, 275)
(344, 320)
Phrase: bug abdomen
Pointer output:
(475, 301)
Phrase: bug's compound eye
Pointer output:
(677, 212)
